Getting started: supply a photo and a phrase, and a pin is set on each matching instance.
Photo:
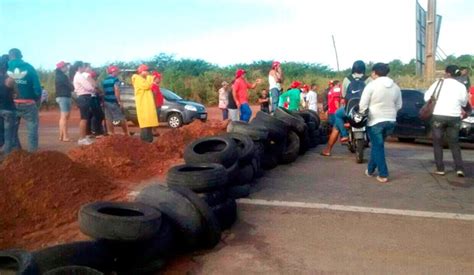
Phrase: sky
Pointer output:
(226, 32)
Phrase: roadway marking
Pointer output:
(361, 209)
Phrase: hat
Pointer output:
(93, 74)
(239, 73)
(156, 74)
(295, 84)
(305, 87)
(61, 64)
(453, 70)
(275, 64)
(113, 69)
(15, 53)
(142, 68)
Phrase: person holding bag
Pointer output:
(450, 100)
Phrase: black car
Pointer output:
(175, 110)
(410, 127)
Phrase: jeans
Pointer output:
(340, 116)
(29, 112)
(7, 132)
(146, 134)
(96, 117)
(378, 133)
(245, 112)
(225, 114)
(450, 126)
(275, 96)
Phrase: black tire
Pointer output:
(199, 177)
(360, 146)
(226, 213)
(257, 168)
(269, 161)
(311, 126)
(245, 146)
(212, 231)
(256, 133)
(295, 122)
(16, 261)
(292, 149)
(277, 129)
(259, 149)
(304, 141)
(314, 117)
(174, 120)
(74, 270)
(215, 149)
(184, 216)
(246, 174)
(304, 115)
(233, 173)
(120, 221)
(239, 191)
(213, 198)
(92, 254)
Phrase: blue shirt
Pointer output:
(108, 86)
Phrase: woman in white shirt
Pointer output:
(447, 118)
(224, 100)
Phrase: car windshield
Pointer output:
(169, 95)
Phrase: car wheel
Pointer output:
(175, 120)
(406, 139)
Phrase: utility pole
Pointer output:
(430, 43)
(335, 50)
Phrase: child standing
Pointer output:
(264, 101)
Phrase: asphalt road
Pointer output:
(323, 215)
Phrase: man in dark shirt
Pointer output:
(7, 108)
(232, 107)
(264, 102)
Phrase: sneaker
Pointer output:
(441, 173)
(84, 141)
(460, 173)
(368, 174)
(382, 179)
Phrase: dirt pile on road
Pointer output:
(128, 158)
(41, 192)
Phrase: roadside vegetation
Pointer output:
(199, 80)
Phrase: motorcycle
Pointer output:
(356, 129)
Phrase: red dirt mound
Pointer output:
(42, 192)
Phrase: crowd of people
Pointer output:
(377, 95)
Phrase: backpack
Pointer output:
(355, 87)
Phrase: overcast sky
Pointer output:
(226, 32)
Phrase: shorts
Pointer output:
(84, 104)
(245, 112)
(64, 104)
(113, 111)
(233, 114)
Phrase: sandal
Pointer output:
(325, 154)
(382, 179)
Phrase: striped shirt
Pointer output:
(108, 86)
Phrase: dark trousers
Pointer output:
(146, 134)
(96, 118)
(442, 125)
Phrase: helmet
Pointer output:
(355, 118)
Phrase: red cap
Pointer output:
(305, 87)
(61, 64)
(93, 74)
(239, 73)
(275, 64)
(156, 74)
(142, 68)
(295, 84)
(112, 69)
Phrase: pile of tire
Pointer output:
(189, 213)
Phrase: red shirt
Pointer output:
(241, 90)
(158, 95)
(471, 92)
(334, 96)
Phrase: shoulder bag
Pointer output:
(426, 112)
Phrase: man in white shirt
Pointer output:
(312, 98)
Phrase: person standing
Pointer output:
(334, 102)
(447, 118)
(224, 100)
(312, 98)
(464, 77)
(113, 102)
(29, 95)
(145, 103)
(232, 106)
(64, 90)
(159, 99)
(240, 94)
(293, 96)
(84, 90)
(263, 100)
(275, 78)
(7, 108)
(382, 99)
